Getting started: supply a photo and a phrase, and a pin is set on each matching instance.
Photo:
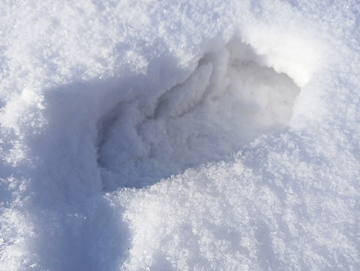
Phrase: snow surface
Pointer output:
(180, 135)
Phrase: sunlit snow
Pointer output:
(179, 135)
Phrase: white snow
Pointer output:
(187, 135)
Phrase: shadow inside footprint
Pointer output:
(231, 98)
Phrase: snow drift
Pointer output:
(179, 136)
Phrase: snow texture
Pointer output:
(179, 135)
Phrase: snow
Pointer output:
(145, 135)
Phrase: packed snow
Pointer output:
(180, 135)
